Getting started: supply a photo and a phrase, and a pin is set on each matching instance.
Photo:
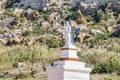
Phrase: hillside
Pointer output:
(31, 37)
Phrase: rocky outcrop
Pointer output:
(80, 18)
(27, 42)
(32, 15)
(110, 29)
(7, 22)
(82, 37)
(94, 32)
(13, 41)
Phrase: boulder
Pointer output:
(2, 40)
(55, 16)
(13, 41)
(110, 29)
(56, 25)
(119, 55)
(7, 22)
(83, 27)
(95, 31)
(27, 42)
(18, 11)
(82, 37)
(45, 24)
(80, 19)
(6, 36)
(73, 23)
(32, 15)
(60, 31)
(116, 33)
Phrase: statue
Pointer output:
(67, 33)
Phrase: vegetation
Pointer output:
(110, 65)
(54, 42)
(24, 53)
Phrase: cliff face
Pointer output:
(36, 4)
(40, 4)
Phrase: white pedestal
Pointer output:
(68, 70)
(69, 52)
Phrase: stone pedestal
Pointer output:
(68, 70)
(68, 67)
(69, 52)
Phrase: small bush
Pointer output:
(34, 31)
(55, 42)
(112, 64)
(26, 33)
(72, 16)
(52, 42)
(114, 49)
(22, 76)
(92, 58)
(99, 38)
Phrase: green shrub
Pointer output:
(38, 31)
(99, 38)
(14, 54)
(112, 64)
(26, 33)
(22, 76)
(92, 58)
(114, 49)
(45, 16)
(89, 18)
(34, 31)
(72, 16)
(52, 42)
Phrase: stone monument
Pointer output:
(68, 67)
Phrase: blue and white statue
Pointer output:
(67, 33)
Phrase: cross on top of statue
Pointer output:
(67, 33)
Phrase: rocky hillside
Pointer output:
(25, 24)
(29, 37)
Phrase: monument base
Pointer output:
(68, 70)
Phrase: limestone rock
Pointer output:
(6, 36)
(110, 29)
(7, 22)
(83, 27)
(116, 33)
(14, 40)
(55, 16)
(27, 42)
(73, 23)
(2, 40)
(18, 11)
(45, 24)
(94, 32)
(56, 25)
(82, 37)
(60, 31)
(32, 15)
(80, 18)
